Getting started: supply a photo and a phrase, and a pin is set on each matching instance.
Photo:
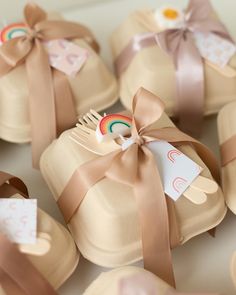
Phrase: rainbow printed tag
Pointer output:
(112, 126)
(177, 171)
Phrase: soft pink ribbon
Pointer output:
(136, 167)
(18, 276)
(51, 105)
(147, 284)
(180, 45)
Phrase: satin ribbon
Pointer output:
(51, 105)
(147, 284)
(189, 69)
(17, 274)
(228, 151)
(136, 167)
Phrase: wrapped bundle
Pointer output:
(227, 139)
(131, 281)
(28, 267)
(112, 196)
(47, 66)
(186, 57)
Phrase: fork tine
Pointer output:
(92, 118)
(96, 114)
(88, 121)
(84, 122)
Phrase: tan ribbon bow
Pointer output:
(136, 167)
(48, 116)
(147, 284)
(180, 44)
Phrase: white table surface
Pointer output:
(203, 263)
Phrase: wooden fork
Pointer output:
(86, 137)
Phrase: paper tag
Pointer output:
(177, 171)
(66, 56)
(214, 48)
(18, 220)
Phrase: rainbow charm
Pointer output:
(111, 126)
(12, 31)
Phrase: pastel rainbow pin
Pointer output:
(12, 31)
(113, 125)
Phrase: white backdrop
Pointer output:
(11, 9)
(203, 262)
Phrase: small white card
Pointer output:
(18, 220)
(177, 171)
(66, 56)
(214, 48)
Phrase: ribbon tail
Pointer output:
(4, 67)
(190, 87)
(153, 216)
(80, 182)
(66, 116)
(16, 281)
(41, 101)
(16, 184)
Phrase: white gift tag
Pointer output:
(177, 171)
(18, 220)
(214, 48)
(66, 56)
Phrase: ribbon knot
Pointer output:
(139, 140)
(32, 34)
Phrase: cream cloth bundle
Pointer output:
(106, 226)
(151, 67)
(37, 101)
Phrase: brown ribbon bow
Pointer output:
(17, 274)
(51, 104)
(136, 167)
(147, 284)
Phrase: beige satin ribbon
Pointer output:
(51, 104)
(136, 167)
(17, 274)
(147, 284)
(189, 69)
(228, 151)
